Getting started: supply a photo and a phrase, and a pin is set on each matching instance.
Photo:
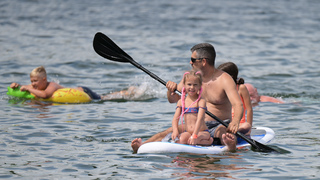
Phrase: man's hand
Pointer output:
(171, 86)
(233, 127)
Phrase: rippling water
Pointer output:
(274, 43)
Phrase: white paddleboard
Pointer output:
(261, 134)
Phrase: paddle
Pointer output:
(106, 48)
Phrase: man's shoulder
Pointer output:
(222, 77)
(224, 74)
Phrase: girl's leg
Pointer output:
(204, 138)
(184, 138)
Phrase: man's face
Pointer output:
(195, 61)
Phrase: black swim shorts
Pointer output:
(92, 94)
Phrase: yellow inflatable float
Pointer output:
(65, 95)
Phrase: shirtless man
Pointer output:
(220, 92)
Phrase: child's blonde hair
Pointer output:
(39, 72)
(194, 73)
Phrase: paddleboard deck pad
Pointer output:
(261, 134)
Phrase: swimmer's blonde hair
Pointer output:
(39, 71)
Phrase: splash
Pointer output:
(142, 92)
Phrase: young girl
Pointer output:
(232, 70)
(192, 108)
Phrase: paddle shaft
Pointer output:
(146, 71)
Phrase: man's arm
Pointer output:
(171, 95)
(234, 98)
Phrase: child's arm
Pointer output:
(200, 120)
(47, 93)
(14, 85)
(247, 102)
(175, 121)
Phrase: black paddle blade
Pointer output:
(262, 148)
(256, 146)
(106, 48)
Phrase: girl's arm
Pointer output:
(175, 121)
(200, 120)
(247, 102)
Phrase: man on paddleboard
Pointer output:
(219, 90)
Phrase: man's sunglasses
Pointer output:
(193, 60)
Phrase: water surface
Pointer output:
(274, 43)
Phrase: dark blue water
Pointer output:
(274, 43)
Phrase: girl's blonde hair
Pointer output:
(194, 73)
(39, 71)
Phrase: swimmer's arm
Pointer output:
(47, 93)
(14, 85)
(270, 99)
